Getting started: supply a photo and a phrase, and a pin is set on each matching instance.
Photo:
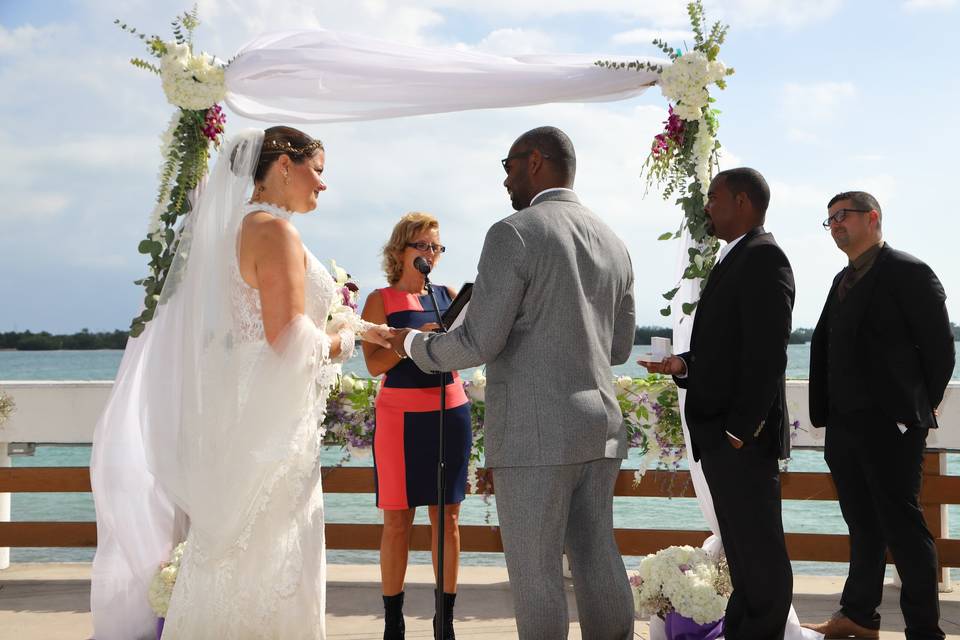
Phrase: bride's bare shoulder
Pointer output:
(264, 230)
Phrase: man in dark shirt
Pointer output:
(881, 357)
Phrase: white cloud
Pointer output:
(24, 206)
(24, 38)
(788, 13)
(810, 109)
(646, 36)
(923, 5)
(516, 42)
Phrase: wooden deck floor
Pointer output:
(51, 602)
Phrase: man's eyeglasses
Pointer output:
(841, 215)
(427, 246)
(523, 154)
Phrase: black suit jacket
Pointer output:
(904, 344)
(738, 350)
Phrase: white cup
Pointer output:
(660, 348)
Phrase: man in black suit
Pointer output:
(880, 360)
(735, 404)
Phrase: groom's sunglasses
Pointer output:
(523, 154)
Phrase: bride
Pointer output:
(235, 371)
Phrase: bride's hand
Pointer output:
(378, 334)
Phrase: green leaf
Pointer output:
(669, 295)
(665, 311)
(145, 246)
(688, 307)
(666, 236)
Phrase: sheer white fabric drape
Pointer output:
(682, 330)
(325, 76)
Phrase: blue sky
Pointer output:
(829, 95)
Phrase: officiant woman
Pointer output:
(406, 439)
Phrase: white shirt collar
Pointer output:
(727, 248)
(534, 198)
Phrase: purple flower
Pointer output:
(213, 123)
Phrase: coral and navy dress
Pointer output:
(406, 438)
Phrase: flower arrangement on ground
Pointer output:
(194, 83)
(683, 156)
(161, 587)
(683, 581)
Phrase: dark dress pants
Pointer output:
(877, 471)
(745, 485)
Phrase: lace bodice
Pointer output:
(319, 289)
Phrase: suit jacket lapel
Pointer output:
(716, 274)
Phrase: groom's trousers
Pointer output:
(745, 486)
(544, 511)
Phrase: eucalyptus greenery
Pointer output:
(672, 164)
(184, 165)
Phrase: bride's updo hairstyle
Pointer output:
(277, 141)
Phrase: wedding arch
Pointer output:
(322, 76)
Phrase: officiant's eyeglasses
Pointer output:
(424, 246)
(841, 215)
(523, 154)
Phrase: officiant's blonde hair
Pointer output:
(410, 226)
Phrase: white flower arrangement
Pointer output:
(685, 83)
(343, 311)
(193, 82)
(161, 587)
(684, 579)
(683, 156)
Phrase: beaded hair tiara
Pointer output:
(284, 146)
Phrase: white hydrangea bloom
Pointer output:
(685, 577)
(189, 81)
(685, 83)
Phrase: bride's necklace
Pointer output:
(273, 209)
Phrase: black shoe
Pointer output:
(449, 599)
(393, 627)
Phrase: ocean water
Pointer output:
(648, 513)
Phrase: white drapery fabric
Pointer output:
(682, 330)
(135, 519)
(325, 76)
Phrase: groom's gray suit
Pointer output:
(552, 309)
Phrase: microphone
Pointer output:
(422, 265)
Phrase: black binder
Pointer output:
(456, 307)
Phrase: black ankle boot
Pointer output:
(393, 627)
(449, 599)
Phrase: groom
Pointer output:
(735, 405)
(552, 309)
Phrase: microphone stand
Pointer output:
(440, 605)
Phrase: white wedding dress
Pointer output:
(270, 581)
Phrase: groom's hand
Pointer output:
(671, 366)
(396, 342)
